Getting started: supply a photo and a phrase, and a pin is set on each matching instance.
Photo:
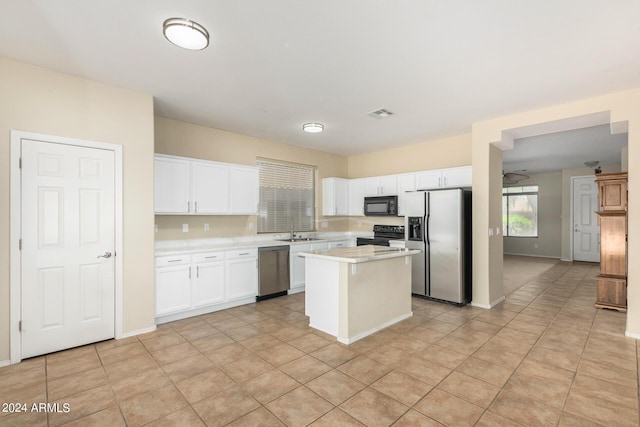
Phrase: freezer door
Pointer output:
(418, 268)
(445, 245)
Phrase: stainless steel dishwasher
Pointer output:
(273, 271)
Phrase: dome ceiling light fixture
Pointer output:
(313, 127)
(186, 33)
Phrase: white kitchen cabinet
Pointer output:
(356, 197)
(244, 188)
(209, 281)
(184, 186)
(457, 177)
(381, 186)
(242, 274)
(335, 196)
(347, 243)
(209, 188)
(296, 263)
(296, 267)
(444, 178)
(172, 185)
(406, 182)
(173, 284)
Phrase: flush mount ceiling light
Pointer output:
(185, 33)
(313, 127)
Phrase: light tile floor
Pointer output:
(544, 357)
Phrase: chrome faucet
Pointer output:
(293, 233)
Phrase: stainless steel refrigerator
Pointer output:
(438, 222)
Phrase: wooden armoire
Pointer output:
(612, 216)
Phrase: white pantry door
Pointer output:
(586, 231)
(68, 238)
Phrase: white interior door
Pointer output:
(68, 240)
(586, 231)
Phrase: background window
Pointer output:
(287, 197)
(520, 211)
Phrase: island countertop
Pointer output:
(360, 253)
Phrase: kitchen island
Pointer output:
(354, 292)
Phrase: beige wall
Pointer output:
(567, 234)
(42, 101)
(621, 107)
(549, 242)
(200, 142)
(436, 154)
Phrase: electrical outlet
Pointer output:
(490, 231)
(185, 228)
(325, 224)
(250, 226)
(155, 228)
(359, 223)
(206, 227)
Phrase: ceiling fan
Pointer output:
(513, 177)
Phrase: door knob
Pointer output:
(105, 255)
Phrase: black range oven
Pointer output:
(382, 234)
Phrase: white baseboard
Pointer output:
(534, 256)
(203, 310)
(295, 290)
(630, 335)
(489, 306)
(5, 363)
(138, 332)
(376, 329)
(566, 260)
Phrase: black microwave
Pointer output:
(381, 206)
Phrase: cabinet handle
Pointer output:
(189, 272)
(174, 260)
(212, 256)
(445, 181)
(246, 253)
(439, 181)
(188, 206)
(197, 271)
(195, 209)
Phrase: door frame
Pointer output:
(571, 216)
(15, 254)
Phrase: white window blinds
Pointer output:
(287, 197)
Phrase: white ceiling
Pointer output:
(564, 150)
(273, 65)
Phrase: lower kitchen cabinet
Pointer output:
(242, 274)
(296, 263)
(191, 285)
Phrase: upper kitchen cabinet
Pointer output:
(381, 186)
(406, 182)
(356, 197)
(209, 188)
(184, 186)
(172, 185)
(335, 196)
(244, 186)
(444, 178)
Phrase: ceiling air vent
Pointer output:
(380, 114)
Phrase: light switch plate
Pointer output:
(206, 227)
(185, 228)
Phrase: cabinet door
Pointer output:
(210, 183)
(388, 185)
(457, 177)
(171, 186)
(406, 182)
(209, 283)
(242, 278)
(339, 244)
(611, 292)
(244, 191)
(613, 195)
(356, 197)
(371, 187)
(335, 193)
(428, 179)
(296, 266)
(173, 289)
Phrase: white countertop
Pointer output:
(360, 253)
(193, 246)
